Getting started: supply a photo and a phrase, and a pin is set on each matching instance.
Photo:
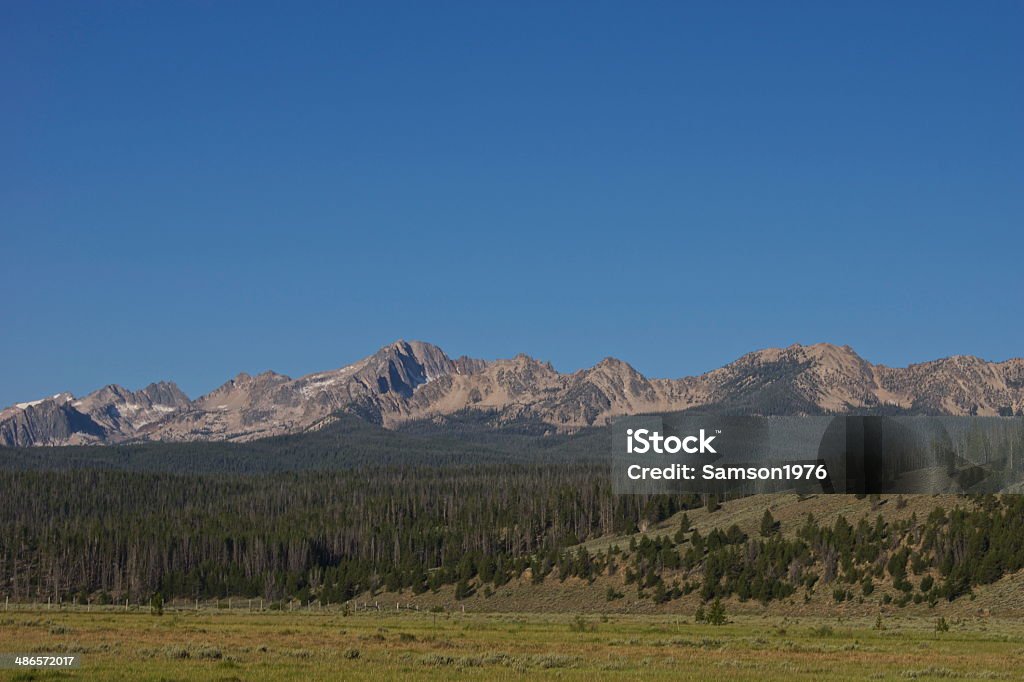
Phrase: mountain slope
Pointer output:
(413, 381)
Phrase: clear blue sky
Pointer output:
(190, 190)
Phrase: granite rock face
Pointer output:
(411, 380)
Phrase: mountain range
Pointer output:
(408, 381)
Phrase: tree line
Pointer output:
(330, 534)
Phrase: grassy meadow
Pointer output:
(308, 646)
(567, 629)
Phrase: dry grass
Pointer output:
(220, 645)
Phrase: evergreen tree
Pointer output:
(768, 524)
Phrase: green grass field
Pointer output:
(212, 645)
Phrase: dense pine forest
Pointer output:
(331, 535)
(354, 510)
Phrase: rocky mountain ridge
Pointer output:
(413, 380)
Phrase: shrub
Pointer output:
(581, 624)
(716, 614)
(841, 594)
(824, 630)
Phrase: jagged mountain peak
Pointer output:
(525, 360)
(400, 367)
(815, 351)
(108, 392)
(58, 398)
(160, 392)
(613, 364)
(409, 380)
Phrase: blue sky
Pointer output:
(190, 190)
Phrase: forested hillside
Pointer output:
(333, 535)
(354, 509)
(330, 534)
